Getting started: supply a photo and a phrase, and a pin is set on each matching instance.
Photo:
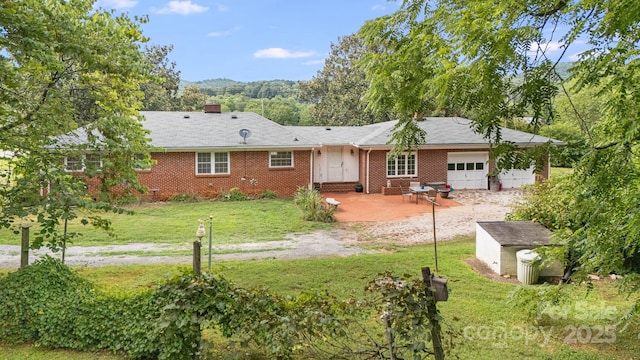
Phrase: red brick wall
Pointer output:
(175, 173)
(432, 167)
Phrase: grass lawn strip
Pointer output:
(477, 311)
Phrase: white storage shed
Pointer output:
(498, 241)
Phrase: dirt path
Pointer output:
(345, 240)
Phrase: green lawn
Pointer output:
(477, 310)
(557, 171)
(176, 223)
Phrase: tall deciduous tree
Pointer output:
(161, 94)
(191, 99)
(336, 91)
(68, 68)
(469, 52)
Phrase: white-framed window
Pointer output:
(402, 165)
(82, 162)
(465, 166)
(73, 163)
(212, 163)
(92, 161)
(279, 159)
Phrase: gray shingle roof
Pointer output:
(516, 233)
(175, 130)
(441, 132)
(334, 135)
(198, 130)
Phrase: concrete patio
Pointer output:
(356, 207)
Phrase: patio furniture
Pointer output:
(421, 189)
(431, 195)
(406, 192)
(332, 202)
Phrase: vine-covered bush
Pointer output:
(50, 305)
(313, 209)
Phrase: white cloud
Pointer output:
(280, 53)
(545, 47)
(575, 57)
(378, 8)
(120, 4)
(223, 33)
(181, 7)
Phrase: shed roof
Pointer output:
(517, 233)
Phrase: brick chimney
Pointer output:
(212, 109)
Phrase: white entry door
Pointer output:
(467, 170)
(335, 164)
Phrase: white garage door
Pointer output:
(467, 170)
(516, 178)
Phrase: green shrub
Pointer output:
(185, 198)
(268, 194)
(50, 305)
(234, 194)
(32, 297)
(312, 207)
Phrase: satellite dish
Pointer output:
(245, 133)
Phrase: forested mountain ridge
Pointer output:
(267, 89)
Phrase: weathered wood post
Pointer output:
(435, 242)
(197, 246)
(210, 238)
(24, 251)
(389, 331)
(438, 351)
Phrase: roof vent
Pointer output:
(234, 116)
(327, 128)
(186, 116)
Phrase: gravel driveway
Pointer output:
(345, 240)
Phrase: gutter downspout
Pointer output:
(368, 169)
(311, 168)
(548, 166)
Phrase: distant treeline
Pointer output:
(254, 89)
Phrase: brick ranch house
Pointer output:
(208, 153)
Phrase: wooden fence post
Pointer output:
(438, 351)
(197, 246)
(24, 251)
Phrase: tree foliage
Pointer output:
(283, 110)
(254, 89)
(191, 99)
(66, 66)
(160, 94)
(335, 93)
(465, 55)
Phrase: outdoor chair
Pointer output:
(431, 196)
(414, 183)
(406, 192)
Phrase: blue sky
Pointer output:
(250, 40)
